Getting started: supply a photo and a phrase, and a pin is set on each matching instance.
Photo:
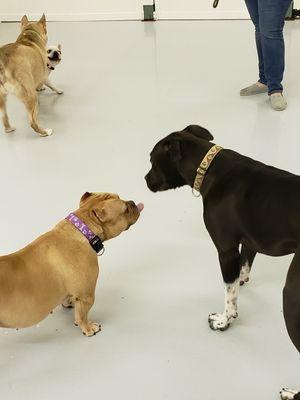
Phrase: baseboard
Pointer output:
(105, 16)
(213, 14)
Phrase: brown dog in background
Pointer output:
(23, 68)
(61, 267)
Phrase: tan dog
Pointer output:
(61, 267)
(23, 68)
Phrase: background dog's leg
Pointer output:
(247, 258)
(50, 86)
(230, 266)
(83, 304)
(8, 128)
(31, 104)
(291, 312)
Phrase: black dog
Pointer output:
(249, 208)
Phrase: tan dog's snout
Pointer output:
(134, 210)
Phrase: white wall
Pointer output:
(201, 9)
(12, 10)
(78, 10)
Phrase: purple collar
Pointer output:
(93, 239)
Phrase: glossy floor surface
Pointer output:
(127, 84)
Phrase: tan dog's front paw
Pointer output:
(90, 329)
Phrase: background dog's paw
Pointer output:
(47, 132)
(288, 394)
(218, 322)
(10, 129)
(41, 89)
(59, 91)
(90, 329)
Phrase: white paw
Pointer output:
(41, 89)
(47, 132)
(220, 322)
(288, 394)
(11, 129)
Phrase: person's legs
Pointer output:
(253, 9)
(271, 22)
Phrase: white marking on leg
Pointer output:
(288, 394)
(222, 321)
(245, 273)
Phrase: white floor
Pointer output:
(126, 85)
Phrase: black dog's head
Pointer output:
(174, 158)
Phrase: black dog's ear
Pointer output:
(172, 147)
(199, 132)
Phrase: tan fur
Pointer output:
(23, 67)
(60, 267)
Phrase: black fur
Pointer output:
(245, 203)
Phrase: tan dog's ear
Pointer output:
(42, 21)
(100, 214)
(85, 197)
(59, 46)
(24, 21)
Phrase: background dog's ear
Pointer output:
(199, 132)
(59, 46)
(172, 147)
(42, 21)
(24, 21)
(85, 197)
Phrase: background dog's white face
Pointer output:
(54, 55)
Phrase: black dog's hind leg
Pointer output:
(291, 311)
(230, 262)
(247, 258)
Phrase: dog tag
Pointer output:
(97, 244)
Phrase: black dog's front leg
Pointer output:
(230, 266)
(247, 257)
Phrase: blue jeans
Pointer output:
(268, 17)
